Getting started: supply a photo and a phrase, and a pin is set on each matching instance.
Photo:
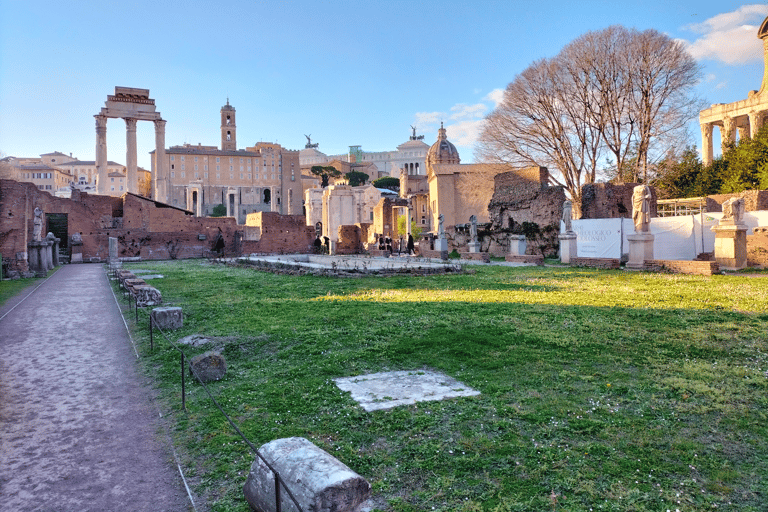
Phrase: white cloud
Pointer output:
(465, 133)
(730, 37)
(462, 112)
(425, 120)
(496, 96)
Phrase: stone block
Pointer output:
(208, 367)
(318, 480)
(147, 296)
(167, 318)
(132, 283)
(640, 249)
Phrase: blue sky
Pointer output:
(346, 72)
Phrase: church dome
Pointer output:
(442, 151)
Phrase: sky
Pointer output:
(344, 72)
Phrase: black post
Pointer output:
(137, 310)
(277, 491)
(183, 391)
(151, 337)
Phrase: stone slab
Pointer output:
(390, 389)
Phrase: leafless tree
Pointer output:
(615, 93)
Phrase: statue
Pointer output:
(77, 238)
(309, 144)
(733, 211)
(641, 208)
(473, 227)
(568, 216)
(37, 230)
(440, 228)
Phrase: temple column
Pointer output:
(728, 134)
(102, 173)
(130, 156)
(159, 185)
(706, 144)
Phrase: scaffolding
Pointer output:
(680, 207)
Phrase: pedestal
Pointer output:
(76, 252)
(517, 245)
(441, 244)
(640, 249)
(112, 249)
(474, 246)
(567, 246)
(731, 246)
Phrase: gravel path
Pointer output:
(77, 428)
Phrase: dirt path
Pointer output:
(77, 429)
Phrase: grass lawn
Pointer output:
(600, 390)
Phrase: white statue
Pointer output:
(568, 216)
(733, 211)
(440, 228)
(37, 230)
(641, 208)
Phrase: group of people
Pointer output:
(385, 244)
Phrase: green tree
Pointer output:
(681, 174)
(415, 228)
(745, 164)
(387, 182)
(219, 211)
(326, 172)
(356, 178)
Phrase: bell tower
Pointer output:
(228, 128)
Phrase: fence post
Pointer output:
(277, 492)
(137, 309)
(151, 337)
(183, 391)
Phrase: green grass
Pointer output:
(12, 287)
(600, 390)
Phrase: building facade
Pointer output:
(410, 155)
(262, 178)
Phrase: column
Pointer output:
(130, 156)
(755, 123)
(102, 173)
(706, 144)
(159, 185)
(728, 134)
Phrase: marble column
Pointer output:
(159, 185)
(102, 173)
(131, 177)
(728, 134)
(707, 149)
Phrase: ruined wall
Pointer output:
(610, 201)
(279, 234)
(143, 228)
(754, 200)
(757, 248)
(350, 240)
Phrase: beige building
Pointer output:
(262, 178)
(743, 118)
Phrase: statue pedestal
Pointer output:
(441, 244)
(517, 245)
(731, 246)
(39, 253)
(474, 246)
(76, 252)
(640, 249)
(567, 246)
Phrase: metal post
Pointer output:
(151, 337)
(183, 391)
(137, 310)
(277, 491)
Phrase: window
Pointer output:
(231, 168)
(218, 176)
(195, 166)
(249, 176)
(113, 180)
(205, 175)
(217, 159)
(231, 176)
(217, 168)
(195, 159)
(205, 168)
(241, 175)
(182, 172)
(171, 158)
(197, 175)
(182, 158)
(173, 174)
(113, 188)
(182, 168)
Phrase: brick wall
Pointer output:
(704, 268)
(610, 201)
(757, 248)
(754, 200)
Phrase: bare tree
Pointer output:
(616, 92)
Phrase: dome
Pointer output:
(442, 151)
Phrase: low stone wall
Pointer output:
(757, 248)
(702, 268)
(428, 253)
(606, 263)
(527, 258)
(477, 256)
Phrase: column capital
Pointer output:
(130, 123)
